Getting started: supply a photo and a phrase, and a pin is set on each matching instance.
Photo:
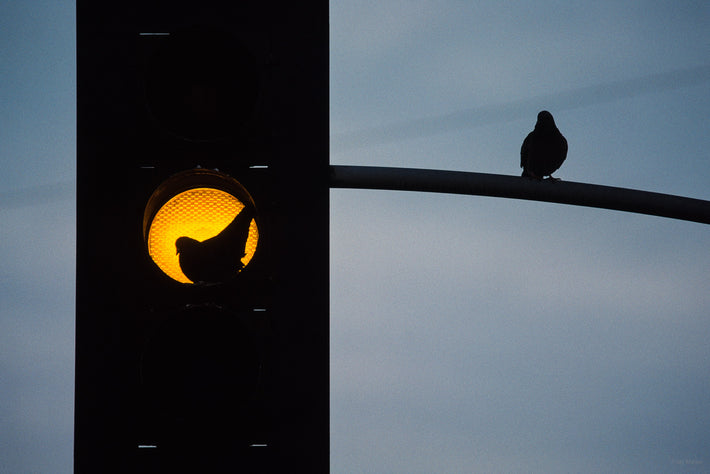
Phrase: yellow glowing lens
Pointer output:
(199, 213)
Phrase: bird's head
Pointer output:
(545, 120)
(184, 243)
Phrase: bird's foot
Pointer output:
(529, 175)
(553, 179)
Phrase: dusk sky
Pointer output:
(468, 334)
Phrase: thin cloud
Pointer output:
(39, 194)
(572, 99)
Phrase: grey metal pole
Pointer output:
(483, 184)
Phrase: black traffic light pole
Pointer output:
(227, 372)
(483, 184)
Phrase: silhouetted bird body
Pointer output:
(544, 149)
(219, 258)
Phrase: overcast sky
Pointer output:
(469, 334)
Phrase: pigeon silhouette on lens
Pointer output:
(544, 149)
(219, 258)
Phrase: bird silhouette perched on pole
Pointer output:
(217, 259)
(544, 149)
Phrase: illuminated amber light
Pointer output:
(199, 213)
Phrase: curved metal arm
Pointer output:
(483, 184)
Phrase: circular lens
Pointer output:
(200, 227)
(200, 372)
(200, 85)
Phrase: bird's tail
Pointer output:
(238, 229)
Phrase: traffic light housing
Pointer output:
(202, 237)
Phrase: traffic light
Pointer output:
(202, 237)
